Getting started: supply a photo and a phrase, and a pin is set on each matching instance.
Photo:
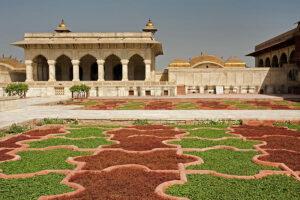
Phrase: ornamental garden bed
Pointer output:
(205, 160)
(184, 104)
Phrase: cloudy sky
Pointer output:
(186, 27)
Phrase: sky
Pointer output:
(185, 27)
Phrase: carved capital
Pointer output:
(51, 62)
(100, 62)
(28, 62)
(124, 61)
(147, 62)
(75, 62)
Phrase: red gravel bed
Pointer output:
(106, 105)
(159, 105)
(208, 105)
(120, 184)
(258, 131)
(260, 103)
(281, 142)
(44, 132)
(140, 143)
(156, 160)
(281, 107)
(32, 134)
(290, 159)
(124, 133)
(11, 142)
(4, 156)
(151, 127)
(278, 140)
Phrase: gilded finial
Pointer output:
(62, 23)
(150, 27)
(149, 24)
(62, 27)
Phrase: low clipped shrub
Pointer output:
(52, 121)
(141, 122)
(17, 89)
(80, 91)
(14, 128)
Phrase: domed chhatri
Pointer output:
(62, 27)
(150, 27)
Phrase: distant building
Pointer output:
(282, 51)
(11, 70)
(124, 64)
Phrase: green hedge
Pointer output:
(19, 89)
(80, 91)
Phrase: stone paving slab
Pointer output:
(66, 112)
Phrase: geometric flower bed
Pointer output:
(201, 161)
(224, 172)
(185, 104)
(272, 187)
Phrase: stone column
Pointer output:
(124, 69)
(100, 63)
(29, 70)
(147, 70)
(75, 64)
(51, 64)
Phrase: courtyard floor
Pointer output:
(201, 160)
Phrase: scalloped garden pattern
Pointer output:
(185, 104)
(153, 162)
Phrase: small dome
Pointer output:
(150, 27)
(207, 58)
(62, 28)
(179, 63)
(235, 62)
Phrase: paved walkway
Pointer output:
(68, 112)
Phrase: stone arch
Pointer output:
(110, 53)
(89, 66)
(261, 63)
(59, 54)
(136, 68)
(283, 60)
(63, 68)
(112, 68)
(292, 58)
(268, 62)
(133, 53)
(40, 68)
(275, 62)
(84, 53)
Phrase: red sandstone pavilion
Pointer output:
(124, 64)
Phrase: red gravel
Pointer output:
(11, 142)
(208, 105)
(151, 127)
(258, 131)
(260, 103)
(290, 159)
(281, 142)
(157, 160)
(106, 105)
(140, 143)
(124, 133)
(44, 131)
(159, 105)
(4, 155)
(142, 140)
(120, 184)
(278, 140)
